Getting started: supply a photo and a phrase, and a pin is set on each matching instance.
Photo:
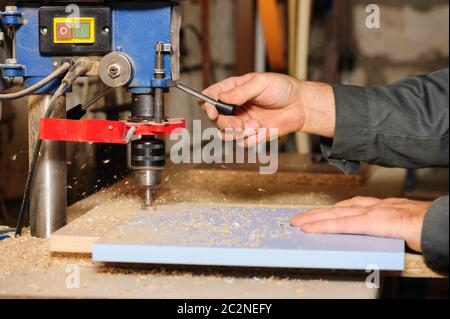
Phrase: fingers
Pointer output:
(226, 85)
(239, 122)
(359, 201)
(359, 224)
(252, 125)
(326, 213)
(216, 89)
(211, 111)
(230, 122)
(246, 133)
(365, 224)
(245, 91)
(235, 90)
(253, 137)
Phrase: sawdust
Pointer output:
(105, 216)
(27, 254)
(23, 255)
(143, 271)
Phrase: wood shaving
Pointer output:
(24, 254)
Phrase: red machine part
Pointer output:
(101, 131)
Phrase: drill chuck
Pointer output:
(148, 158)
(148, 153)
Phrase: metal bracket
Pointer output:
(101, 131)
(164, 47)
(11, 17)
(12, 70)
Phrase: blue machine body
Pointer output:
(136, 28)
(35, 66)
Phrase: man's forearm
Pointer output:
(318, 103)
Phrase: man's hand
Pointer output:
(395, 218)
(268, 100)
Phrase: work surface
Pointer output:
(28, 269)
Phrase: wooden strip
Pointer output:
(415, 267)
(205, 43)
(80, 234)
(303, 29)
(292, 35)
(287, 178)
(292, 169)
(245, 36)
(301, 61)
(274, 36)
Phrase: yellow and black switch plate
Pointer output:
(74, 30)
(63, 35)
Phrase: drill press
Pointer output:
(136, 46)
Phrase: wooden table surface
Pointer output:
(46, 275)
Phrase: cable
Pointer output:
(195, 31)
(3, 210)
(95, 98)
(55, 74)
(80, 67)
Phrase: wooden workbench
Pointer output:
(32, 271)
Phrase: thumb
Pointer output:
(245, 92)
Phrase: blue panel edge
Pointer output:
(247, 257)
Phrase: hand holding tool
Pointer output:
(222, 108)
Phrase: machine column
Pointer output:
(48, 202)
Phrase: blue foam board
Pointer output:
(247, 237)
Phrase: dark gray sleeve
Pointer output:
(435, 235)
(400, 125)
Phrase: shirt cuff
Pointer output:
(348, 167)
(435, 235)
(352, 137)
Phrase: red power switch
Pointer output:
(64, 31)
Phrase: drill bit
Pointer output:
(148, 196)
